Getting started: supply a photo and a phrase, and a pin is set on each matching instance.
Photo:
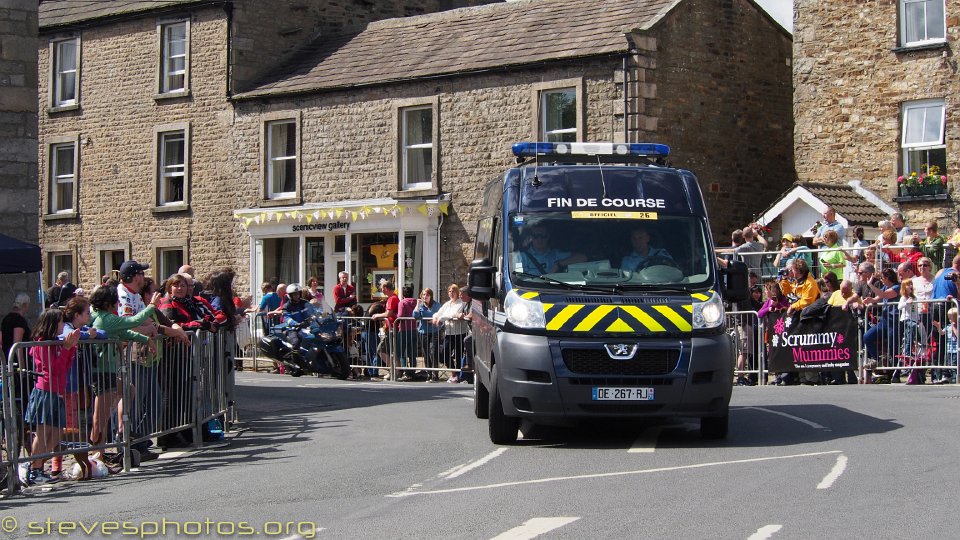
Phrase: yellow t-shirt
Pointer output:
(384, 254)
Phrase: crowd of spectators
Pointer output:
(900, 286)
(128, 306)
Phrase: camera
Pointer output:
(954, 276)
(783, 273)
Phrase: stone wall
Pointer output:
(722, 97)
(115, 125)
(18, 137)
(850, 83)
(263, 32)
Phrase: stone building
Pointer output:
(388, 135)
(366, 148)
(874, 99)
(135, 122)
(18, 138)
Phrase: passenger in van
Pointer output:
(643, 254)
(539, 258)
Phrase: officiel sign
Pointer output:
(332, 226)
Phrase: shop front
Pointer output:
(372, 240)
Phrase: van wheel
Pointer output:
(714, 427)
(503, 429)
(481, 399)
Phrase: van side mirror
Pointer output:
(736, 282)
(480, 279)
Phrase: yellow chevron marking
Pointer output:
(529, 295)
(546, 307)
(674, 317)
(689, 307)
(592, 319)
(619, 326)
(700, 296)
(557, 322)
(644, 319)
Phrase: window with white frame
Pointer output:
(417, 147)
(922, 140)
(111, 259)
(169, 260)
(63, 177)
(66, 72)
(174, 48)
(61, 261)
(172, 167)
(558, 115)
(281, 159)
(922, 22)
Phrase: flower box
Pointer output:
(918, 191)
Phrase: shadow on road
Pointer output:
(767, 426)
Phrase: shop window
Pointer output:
(922, 22)
(281, 260)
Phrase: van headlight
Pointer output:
(523, 313)
(708, 314)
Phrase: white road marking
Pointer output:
(834, 473)
(646, 443)
(480, 462)
(612, 474)
(299, 537)
(535, 527)
(765, 532)
(792, 417)
(171, 455)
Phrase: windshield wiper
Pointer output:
(655, 288)
(564, 284)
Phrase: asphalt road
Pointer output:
(318, 458)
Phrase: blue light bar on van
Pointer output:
(532, 149)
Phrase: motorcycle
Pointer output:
(319, 352)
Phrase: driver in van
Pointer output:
(539, 258)
(643, 254)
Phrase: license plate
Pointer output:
(628, 393)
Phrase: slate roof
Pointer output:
(462, 41)
(55, 13)
(848, 203)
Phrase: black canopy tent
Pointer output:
(19, 257)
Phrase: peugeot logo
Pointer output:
(621, 351)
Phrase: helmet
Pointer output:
(294, 288)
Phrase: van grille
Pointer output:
(598, 362)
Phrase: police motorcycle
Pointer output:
(307, 341)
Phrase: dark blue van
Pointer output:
(597, 292)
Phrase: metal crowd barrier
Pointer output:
(117, 394)
(921, 351)
(750, 345)
(897, 346)
(407, 350)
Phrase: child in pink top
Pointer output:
(46, 410)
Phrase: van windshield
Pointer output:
(563, 249)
